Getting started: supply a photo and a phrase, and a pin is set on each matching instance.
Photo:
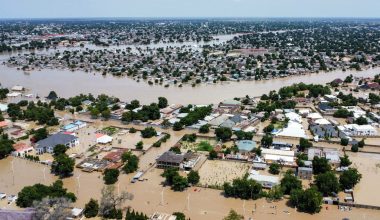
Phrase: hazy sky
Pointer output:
(188, 8)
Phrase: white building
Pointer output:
(356, 130)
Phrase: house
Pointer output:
(259, 166)
(281, 145)
(348, 130)
(373, 86)
(246, 146)
(48, 144)
(162, 216)
(76, 125)
(265, 180)
(17, 88)
(181, 161)
(285, 157)
(323, 130)
(4, 124)
(114, 156)
(3, 107)
(305, 173)
(103, 138)
(20, 149)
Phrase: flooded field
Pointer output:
(369, 166)
(216, 172)
(151, 196)
(67, 83)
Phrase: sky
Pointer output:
(188, 8)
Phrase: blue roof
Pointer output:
(246, 145)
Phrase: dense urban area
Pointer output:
(300, 151)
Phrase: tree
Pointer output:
(361, 143)
(6, 146)
(241, 135)
(349, 178)
(309, 200)
(59, 149)
(139, 145)
(290, 182)
(91, 209)
(40, 134)
(213, 154)
(106, 114)
(169, 175)
(223, 134)
(266, 141)
(110, 176)
(361, 121)
(305, 144)
(177, 126)
(94, 112)
(204, 129)
(275, 193)
(110, 202)
(52, 208)
(344, 141)
(162, 102)
(345, 161)
(63, 165)
(233, 215)
(148, 132)
(269, 128)
(193, 177)
(133, 105)
(37, 192)
(320, 165)
(243, 188)
(131, 162)
(354, 148)
(1, 116)
(132, 215)
(179, 183)
(327, 183)
(52, 95)
(274, 168)
(179, 216)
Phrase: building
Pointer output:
(103, 138)
(281, 145)
(265, 180)
(305, 173)
(285, 157)
(3, 107)
(346, 131)
(246, 146)
(181, 161)
(48, 144)
(21, 149)
(76, 125)
(162, 216)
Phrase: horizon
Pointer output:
(50, 9)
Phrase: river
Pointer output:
(67, 83)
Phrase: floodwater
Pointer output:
(67, 83)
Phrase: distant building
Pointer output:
(48, 144)
(76, 125)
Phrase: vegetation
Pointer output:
(172, 178)
(243, 188)
(223, 134)
(274, 168)
(148, 132)
(110, 176)
(290, 182)
(193, 177)
(195, 115)
(266, 141)
(241, 135)
(37, 192)
(309, 200)
(305, 144)
(132, 215)
(110, 202)
(131, 162)
(91, 209)
(6, 146)
(320, 165)
(349, 178)
(204, 146)
(345, 161)
(327, 183)
(204, 129)
(62, 165)
(233, 215)
(344, 141)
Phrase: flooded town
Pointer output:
(189, 118)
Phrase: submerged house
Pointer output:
(48, 144)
